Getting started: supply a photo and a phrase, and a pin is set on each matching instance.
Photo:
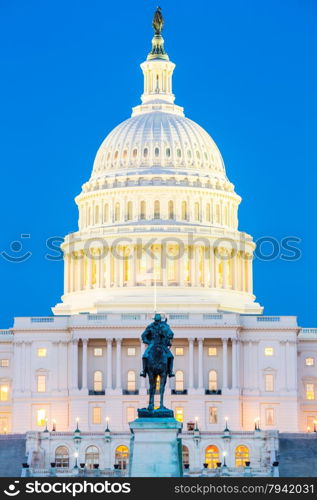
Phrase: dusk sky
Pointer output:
(245, 71)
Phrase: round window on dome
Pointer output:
(145, 152)
(168, 152)
(179, 153)
(116, 155)
(157, 152)
(135, 153)
(125, 154)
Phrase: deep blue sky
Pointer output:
(246, 71)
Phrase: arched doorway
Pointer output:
(185, 455)
(242, 455)
(62, 457)
(91, 457)
(212, 456)
(122, 456)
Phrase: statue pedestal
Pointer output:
(155, 449)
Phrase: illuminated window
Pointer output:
(242, 456)
(62, 457)
(269, 351)
(135, 153)
(212, 380)
(269, 416)
(269, 382)
(308, 361)
(98, 351)
(4, 393)
(125, 154)
(184, 210)
(179, 351)
(131, 380)
(96, 415)
(98, 381)
(179, 414)
(91, 457)
(122, 456)
(311, 423)
(212, 457)
(310, 391)
(41, 352)
(179, 380)
(41, 383)
(212, 351)
(130, 414)
(213, 415)
(131, 351)
(4, 363)
(185, 455)
(41, 417)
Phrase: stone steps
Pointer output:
(12, 454)
(298, 455)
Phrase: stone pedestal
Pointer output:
(155, 449)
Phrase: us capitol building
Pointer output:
(158, 231)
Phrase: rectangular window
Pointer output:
(130, 414)
(41, 352)
(131, 351)
(4, 363)
(179, 351)
(98, 351)
(212, 351)
(41, 417)
(96, 415)
(269, 351)
(4, 393)
(269, 416)
(269, 382)
(41, 383)
(213, 415)
(309, 361)
(310, 391)
(179, 414)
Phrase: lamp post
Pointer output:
(107, 431)
(196, 424)
(53, 425)
(257, 424)
(315, 425)
(226, 427)
(77, 440)
(107, 422)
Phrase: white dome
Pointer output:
(159, 142)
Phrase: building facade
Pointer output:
(158, 230)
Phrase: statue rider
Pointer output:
(158, 327)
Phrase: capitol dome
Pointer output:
(158, 218)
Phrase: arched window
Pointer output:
(97, 214)
(89, 216)
(62, 457)
(212, 380)
(242, 455)
(179, 153)
(157, 152)
(125, 154)
(184, 210)
(156, 209)
(226, 216)
(106, 212)
(122, 456)
(117, 212)
(179, 380)
(309, 361)
(217, 214)
(129, 210)
(142, 210)
(98, 381)
(196, 210)
(170, 210)
(91, 457)
(212, 456)
(168, 152)
(135, 153)
(208, 213)
(185, 455)
(131, 380)
(116, 155)
(145, 152)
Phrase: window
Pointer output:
(212, 351)
(311, 424)
(179, 153)
(145, 152)
(41, 383)
(179, 414)
(142, 210)
(98, 351)
(170, 210)
(269, 382)
(131, 380)
(168, 152)
(213, 415)
(41, 417)
(96, 415)
(62, 457)
(41, 352)
(308, 361)
(4, 363)
(212, 380)
(157, 152)
(156, 209)
(196, 208)
(129, 211)
(91, 457)
(212, 456)
(242, 456)
(117, 212)
(269, 416)
(131, 351)
(179, 380)
(4, 393)
(184, 210)
(130, 414)
(269, 351)
(98, 381)
(122, 456)
(310, 391)
(179, 351)
(135, 153)
(185, 455)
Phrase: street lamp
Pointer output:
(107, 422)
(226, 421)
(76, 457)
(53, 425)
(196, 423)
(224, 458)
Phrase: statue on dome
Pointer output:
(158, 21)
(157, 359)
